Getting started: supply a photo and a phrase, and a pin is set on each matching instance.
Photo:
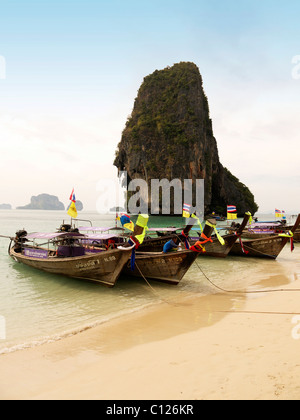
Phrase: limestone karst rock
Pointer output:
(169, 135)
(44, 202)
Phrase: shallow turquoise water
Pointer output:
(39, 307)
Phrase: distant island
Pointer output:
(5, 207)
(43, 202)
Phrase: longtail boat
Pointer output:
(153, 241)
(167, 267)
(268, 246)
(263, 229)
(220, 248)
(156, 243)
(70, 254)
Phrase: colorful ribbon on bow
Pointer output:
(198, 221)
(289, 235)
(199, 245)
(250, 217)
(242, 246)
(221, 240)
(138, 237)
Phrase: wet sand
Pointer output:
(220, 346)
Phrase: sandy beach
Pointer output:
(220, 346)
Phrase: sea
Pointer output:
(37, 307)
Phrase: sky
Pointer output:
(70, 71)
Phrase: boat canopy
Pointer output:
(99, 236)
(49, 236)
(98, 228)
(158, 229)
(265, 225)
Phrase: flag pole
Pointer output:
(72, 212)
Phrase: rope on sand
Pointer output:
(244, 291)
(229, 292)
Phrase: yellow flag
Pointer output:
(186, 210)
(231, 216)
(129, 226)
(142, 222)
(72, 210)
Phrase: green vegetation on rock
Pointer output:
(169, 135)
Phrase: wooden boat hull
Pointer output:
(297, 236)
(257, 232)
(215, 248)
(156, 244)
(167, 268)
(266, 247)
(101, 267)
(251, 235)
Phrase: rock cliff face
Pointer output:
(169, 135)
(44, 202)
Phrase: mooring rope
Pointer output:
(236, 292)
(247, 312)
(153, 290)
(258, 312)
(243, 291)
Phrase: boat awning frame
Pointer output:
(50, 236)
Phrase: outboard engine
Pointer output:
(20, 239)
(74, 230)
(20, 235)
(65, 228)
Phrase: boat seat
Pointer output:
(65, 251)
